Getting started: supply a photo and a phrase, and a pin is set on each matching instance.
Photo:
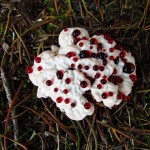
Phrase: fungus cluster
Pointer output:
(97, 65)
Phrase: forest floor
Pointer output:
(31, 26)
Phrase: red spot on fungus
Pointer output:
(55, 89)
(38, 59)
(65, 91)
(68, 80)
(83, 84)
(49, 82)
(97, 75)
(29, 69)
(111, 49)
(87, 105)
(70, 54)
(133, 77)
(104, 95)
(39, 68)
(99, 86)
(80, 44)
(59, 99)
(67, 100)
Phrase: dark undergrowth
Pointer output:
(41, 126)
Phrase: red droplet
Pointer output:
(65, 91)
(124, 60)
(115, 71)
(99, 86)
(91, 47)
(110, 41)
(81, 44)
(119, 96)
(39, 68)
(66, 29)
(106, 36)
(29, 69)
(111, 49)
(83, 84)
(104, 95)
(73, 104)
(67, 100)
(49, 82)
(105, 76)
(111, 93)
(76, 40)
(59, 99)
(72, 65)
(104, 50)
(87, 105)
(97, 75)
(75, 59)
(95, 67)
(133, 77)
(103, 81)
(122, 54)
(38, 59)
(84, 38)
(55, 89)
(70, 54)
(93, 41)
(68, 80)
(86, 67)
(76, 33)
(111, 57)
(60, 74)
(101, 68)
(79, 66)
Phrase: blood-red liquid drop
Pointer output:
(76, 33)
(75, 59)
(38, 59)
(67, 100)
(65, 91)
(29, 69)
(83, 84)
(39, 68)
(86, 67)
(133, 77)
(59, 99)
(120, 95)
(70, 54)
(49, 82)
(111, 57)
(81, 44)
(111, 49)
(79, 66)
(55, 89)
(68, 80)
(104, 95)
(103, 81)
(97, 75)
(111, 93)
(93, 41)
(95, 67)
(99, 86)
(59, 74)
(122, 54)
(87, 105)
(73, 104)
(101, 68)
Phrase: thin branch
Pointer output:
(9, 98)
